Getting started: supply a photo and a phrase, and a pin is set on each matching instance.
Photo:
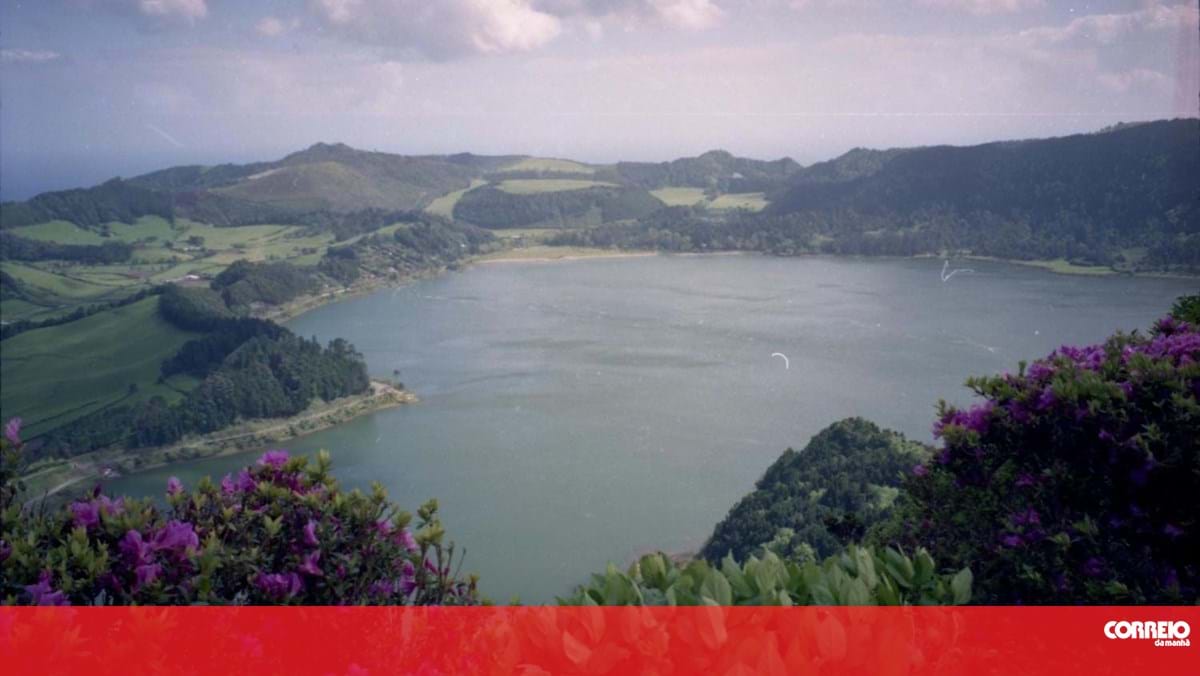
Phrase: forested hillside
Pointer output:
(808, 502)
(1126, 198)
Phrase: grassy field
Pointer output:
(54, 375)
(548, 164)
(162, 253)
(679, 197)
(529, 186)
(62, 232)
(444, 205)
(754, 201)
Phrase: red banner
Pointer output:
(537, 640)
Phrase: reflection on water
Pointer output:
(574, 413)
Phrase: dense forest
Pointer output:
(716, 169)
(1125, 197)
(810, 502)
(496, 208)
(115, 200)
(249, 368)
(17, 248)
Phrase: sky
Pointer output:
(91, 89)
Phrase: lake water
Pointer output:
(579, 412)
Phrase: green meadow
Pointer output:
(679, 196)
(444, 205)
(549, 165)
(529, 186)
(754, 201)
(55, 375)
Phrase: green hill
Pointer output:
(55, 375)
(843, 481)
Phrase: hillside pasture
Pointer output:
(679, 196)
(444, 205)
(753, 201)
(549, 165)
(529, 186)
(55, 375)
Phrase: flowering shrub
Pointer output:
(1075, 480)
(856, 576)
(281, 532)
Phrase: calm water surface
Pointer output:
(575, 413)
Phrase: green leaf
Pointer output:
(716, 587)
(866, 567)
(961, 586)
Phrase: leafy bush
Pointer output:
(1075, 481)
(857, 576)
(281, 532)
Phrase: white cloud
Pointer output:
(1108, 28)
(273, 27)
(985, 6)
(440, 29)
(1123, 81)
(184, 9)
(688, 14)
(28, 55)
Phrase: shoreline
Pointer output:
(46, 482)
(247, 435)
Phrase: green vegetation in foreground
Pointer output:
(444, 205)
(55, 375)
(548, 165)
(855, 576)
(530, 186)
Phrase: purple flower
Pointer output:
(5, 551)
(85, 514)
(111, 507)
(1040, 370)
(1045, 399)
(1172, 531)
(136, 551)
(1093, 567)
(1025, 480)
(146, 575)
(276, 459)
(279, 586)
(920, 470)
(1029, 517)
(12, 431)
(42, 594)
(408, 541)
(310, 533)
(408, 578)
(246, 482)
(174, 486)
(1011, 540)
(176, 537)
(308, 565)
(227, 485)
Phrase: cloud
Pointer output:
(984, 7)
(1108, 28)
(441, 29)
(188, 10)
(273, 27)
(28, 55)
(1123, 81)
(688, 14)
